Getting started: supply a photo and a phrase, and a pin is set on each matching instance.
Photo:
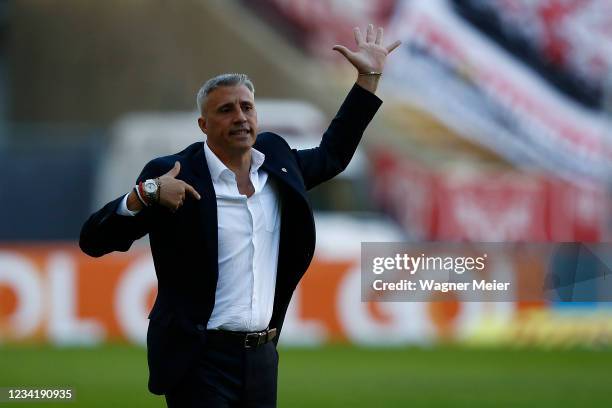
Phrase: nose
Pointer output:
(240, 117)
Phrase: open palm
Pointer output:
(371, 54)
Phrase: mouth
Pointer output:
(240, 132)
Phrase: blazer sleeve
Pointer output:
(340, 140)
(106, 231)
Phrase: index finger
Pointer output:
(192, 191)
(379, 36)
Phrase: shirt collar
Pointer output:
(217, 167)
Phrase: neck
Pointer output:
(238, 161)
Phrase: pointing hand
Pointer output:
(172, 191)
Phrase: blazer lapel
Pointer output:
(285, 175)
(207, 205)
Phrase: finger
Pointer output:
(393, 46)
(358, 37)
(370, 33)
(175, 170)
(344, 51)
(192, 191)
(379, 36)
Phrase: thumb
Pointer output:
(175, 170)
(393, 46)
(344, 51)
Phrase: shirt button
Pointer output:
(201, 327)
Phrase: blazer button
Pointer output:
(201, 327)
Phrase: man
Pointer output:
(231, 233)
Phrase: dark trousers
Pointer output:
(229, 376)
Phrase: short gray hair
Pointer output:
(222, 80)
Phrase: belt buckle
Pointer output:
(256, 336)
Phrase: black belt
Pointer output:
(240, 339)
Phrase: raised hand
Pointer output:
(370, 56)
(173, 192)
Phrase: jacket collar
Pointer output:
(279, 167)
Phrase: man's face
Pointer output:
(229, 119)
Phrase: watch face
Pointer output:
(150, 186)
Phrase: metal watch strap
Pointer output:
(152, 198)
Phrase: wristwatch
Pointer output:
(151, 189)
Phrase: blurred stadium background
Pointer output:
(496, 127)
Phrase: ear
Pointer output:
(202, 124)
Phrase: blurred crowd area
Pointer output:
(496, 127)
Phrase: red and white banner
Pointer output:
(448, 68)
(572, 35)
(489, 207)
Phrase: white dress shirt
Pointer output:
(248, 238)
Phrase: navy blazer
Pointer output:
(184, 243)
